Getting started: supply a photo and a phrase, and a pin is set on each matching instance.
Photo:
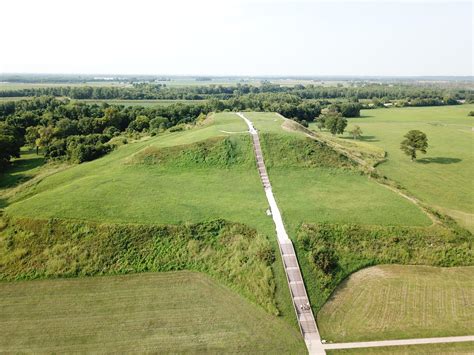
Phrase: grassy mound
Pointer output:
(330, 253)
(397, 302)
(283, 150)
(165, 313)
(230, 252)
(217, 152)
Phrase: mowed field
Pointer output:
(315, 195)
(173, 312)
(397, 302)
(442, 177)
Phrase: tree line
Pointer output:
(78, 131)
(419, 95)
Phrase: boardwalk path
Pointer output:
(301, 305)
(304, 314)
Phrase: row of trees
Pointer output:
(79, 132)
(384, 92)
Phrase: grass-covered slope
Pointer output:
(313, 183)
(188, 176)
(442, 177)
(330, 253)
(172, 312)
(232, 253)
(396, 302)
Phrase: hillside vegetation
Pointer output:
(218, 152)
(171, 312)
(330, 253)
(232, 253)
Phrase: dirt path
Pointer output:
(303, 311)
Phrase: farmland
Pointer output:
(149, 312)
(442, 177)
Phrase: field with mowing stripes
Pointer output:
(151, 312)
(397, 302)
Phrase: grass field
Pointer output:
(122, 188)
(171, 312)
(396, 302)
(431, 349)
(98, 190)
(442, 177)
(314, 195)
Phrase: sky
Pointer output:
(237, 37)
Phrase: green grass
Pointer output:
(324, 190)
(322, 195)
(114, 190)
(397, 302)
(442, 177)
(426, 349)
(172, 312)
(99, 190)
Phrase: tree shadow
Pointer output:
(3, 203)
(439, 160)
(13, 173)
(363, 139)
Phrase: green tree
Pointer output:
(356, 132)
(335, 123)
(414, 141)
(140, 124)
(46, 136)
(9, 143)
(320, 122)
(31, 137)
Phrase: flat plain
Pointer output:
(150, 312)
